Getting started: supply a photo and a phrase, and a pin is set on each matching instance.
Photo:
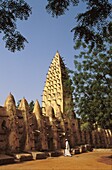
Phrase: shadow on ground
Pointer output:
(106, 159)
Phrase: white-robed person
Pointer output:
(67, 148)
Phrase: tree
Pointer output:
(31, 106)
(10, 12)
(93, 86)
(18, 103)
(92, 25)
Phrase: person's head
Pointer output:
(66, 139)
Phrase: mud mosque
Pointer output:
(46, 128)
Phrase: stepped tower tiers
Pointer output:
(57, 91)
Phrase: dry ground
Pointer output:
(86, 161)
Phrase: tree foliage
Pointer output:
(31, 106)
(59, 7)
(93, 86)
(92, 25)
(18, 103)
(10, 12)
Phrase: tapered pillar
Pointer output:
(13, 139)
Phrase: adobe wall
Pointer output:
(22, 131)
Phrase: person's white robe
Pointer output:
(67, 149)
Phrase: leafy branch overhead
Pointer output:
(10, 12)
(93, 25)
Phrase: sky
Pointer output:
(23, 73)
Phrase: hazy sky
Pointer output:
(24, 73)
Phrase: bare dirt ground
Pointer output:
(86, 161)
